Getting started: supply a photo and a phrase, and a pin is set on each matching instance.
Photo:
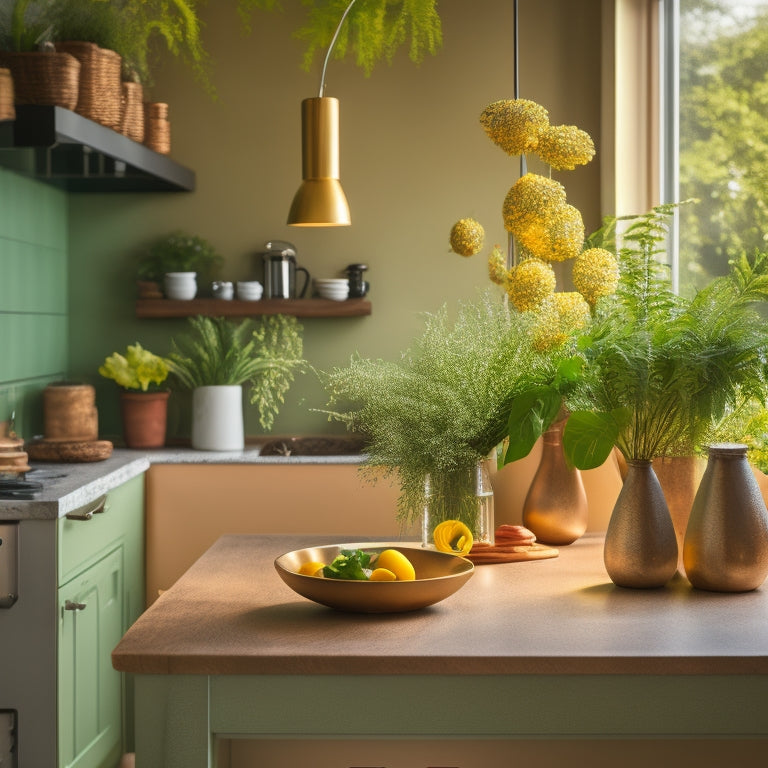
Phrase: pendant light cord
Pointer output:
(333, 43)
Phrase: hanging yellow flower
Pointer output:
(595, 274)
(529, 201)
(497, 267)
(530, 282)
(467, 237)
(514, 124)
(563, 237)
(559, 315)
(565, 146)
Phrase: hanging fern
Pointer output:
(373, 32)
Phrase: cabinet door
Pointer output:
(89, 690)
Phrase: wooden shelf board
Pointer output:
(168, 308)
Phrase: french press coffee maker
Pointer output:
(280, 271)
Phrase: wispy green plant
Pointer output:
(221, 352)
(444, 405)
(373, 31)
(659, 369)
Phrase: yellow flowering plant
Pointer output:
(546, 229)
(138, 369)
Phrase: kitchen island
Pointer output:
(543, 650)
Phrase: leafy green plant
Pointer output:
(221, 352)
(659, 369)
(444, 405)
(179, 252)
(138, 369)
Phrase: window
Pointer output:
(715, 131)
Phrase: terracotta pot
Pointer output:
(144, 418)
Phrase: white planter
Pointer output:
(180, 285)
(217, 418)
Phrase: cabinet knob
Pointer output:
(69, 605)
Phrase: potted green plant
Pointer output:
(659, 370)
(218, 357)
(139, 374)
(435, 415)
(190, 258)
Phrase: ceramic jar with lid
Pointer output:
(726, 541)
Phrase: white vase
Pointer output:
(217, 418)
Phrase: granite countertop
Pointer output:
(68, 486)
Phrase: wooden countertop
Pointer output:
(231, 614)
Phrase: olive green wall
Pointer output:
(414, 159)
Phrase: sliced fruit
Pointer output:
(311, 568)
(453, 536)
(398, 563)
(382, 574)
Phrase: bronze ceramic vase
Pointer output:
(726, 542)
(144, 418)
(640, 544)
(555, 508)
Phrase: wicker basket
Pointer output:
(43, 77)
(100, 89)
(157, 128)
(7, 112)
(132, 121)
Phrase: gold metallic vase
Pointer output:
(555, 508)
(726, 542)
(640, 544)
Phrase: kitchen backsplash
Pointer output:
(33, 296)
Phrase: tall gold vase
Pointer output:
(726, 542)
(640, 545)
(555, 508)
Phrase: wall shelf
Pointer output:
(64, 149)
(169, 308)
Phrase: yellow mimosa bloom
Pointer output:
(497, 267)
(514, 124)
(467, 237)
(530, 282)
(565, 146)
(529, 202)
(559, 315)
(595, 274)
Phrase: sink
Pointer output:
(314, 446)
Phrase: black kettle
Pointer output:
(280, 271)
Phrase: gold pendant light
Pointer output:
(320, 200)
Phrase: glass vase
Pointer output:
(555, 507)
(726, 541)
(463, 494)
(640, 544)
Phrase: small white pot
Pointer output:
(180, 285)
(217, 418)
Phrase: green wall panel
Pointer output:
(34, 320)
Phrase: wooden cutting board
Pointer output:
(506, 554)
(72, 452)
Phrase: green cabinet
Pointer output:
(89, 689)
(100, 594)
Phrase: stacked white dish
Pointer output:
(336, 289)
(180, 285)
(249, 290)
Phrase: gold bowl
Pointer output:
(438, 575)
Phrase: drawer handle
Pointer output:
(69, 605)
(87, 514)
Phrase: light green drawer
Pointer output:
(116, 518)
